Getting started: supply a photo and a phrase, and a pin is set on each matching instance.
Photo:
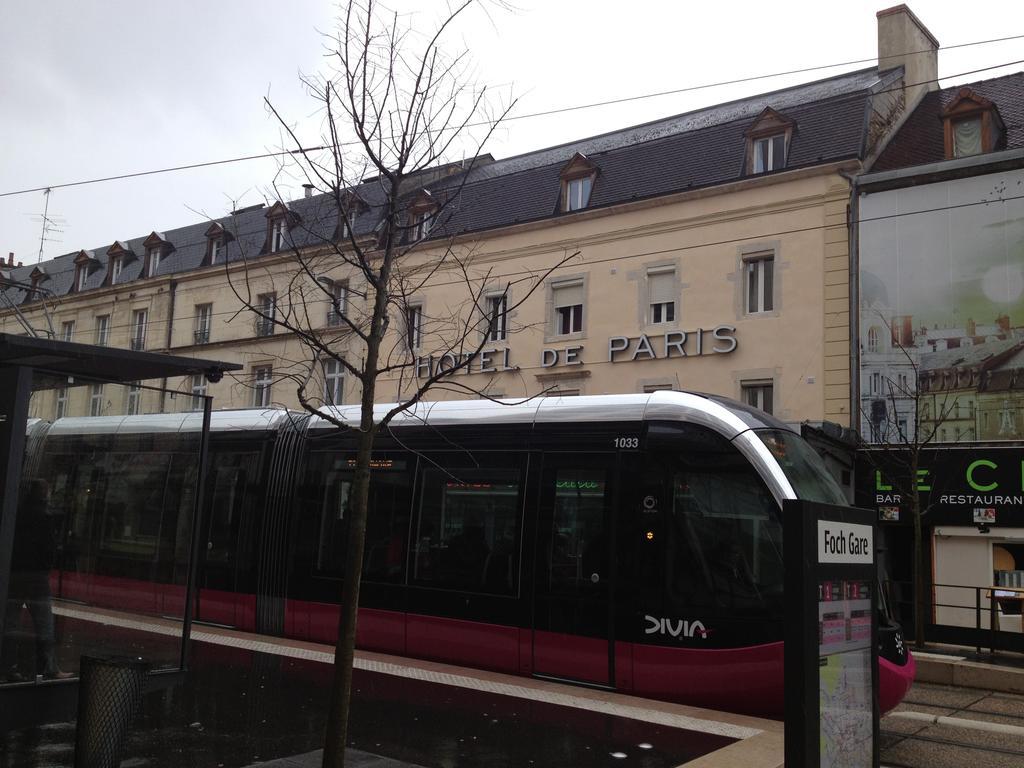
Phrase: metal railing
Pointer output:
(264, 327)
(137, 344)
(201, 335)
(979, 616)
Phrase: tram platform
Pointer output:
(257, 700)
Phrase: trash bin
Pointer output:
(109, 698)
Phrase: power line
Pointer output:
(644, 254)
(559, 110)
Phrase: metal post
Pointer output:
(977, 618)
(197, 519)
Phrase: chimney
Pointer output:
(10, 258)
(309, 190)
(904, 41)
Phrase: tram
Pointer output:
(629, 542)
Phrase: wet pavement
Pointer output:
(239, 707)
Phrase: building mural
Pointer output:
(942, 311)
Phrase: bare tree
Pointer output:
(904, 419)
(384, 231)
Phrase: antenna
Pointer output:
(50, 225)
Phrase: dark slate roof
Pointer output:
(696, 149)
(966, 357)
(920, 140)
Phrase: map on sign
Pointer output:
(844, 667)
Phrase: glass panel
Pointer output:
(802, 466)
(760, 156)
(468, 529)
(778, 152)
(967, 137)
(768, 273)
(578, 545)
(753, 305)
(104, 526)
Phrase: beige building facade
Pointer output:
(719, 262)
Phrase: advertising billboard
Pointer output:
(941, 321)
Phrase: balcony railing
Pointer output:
(137, 344)
(334, 318)
(264, 327)
(201, 335)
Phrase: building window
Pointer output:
(769, 153)
(216, 249)
(81, 274)
(661, 289)
(876, 383)
(116, 262)
(414, 326)
(278, 228)
(138, 340)
(334, 379)
(872, 339)
(266, 305)
(967, 137)
(339, 302)
(421, 224)
(134, 400)
(198, 386)
(67, 330)
(497, 318)
(62, 403)
(262, 379)
(204, 317)
(577, 193)
(648, 388)
(102, 330)
(96, 400)
(759, 277)
(153, 260)
(568, 303)
(758, 394)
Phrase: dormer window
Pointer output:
(153, 256)
(770, 153)
(972, 125)
(768, 142)
(85, 265)
(577, 193)
(156, 248)
(422, 213)
(279, 222)
(278, 229)
(37, 277)
(577, 183)
(118, 256)
(421, 224)
(116, 262)
(350, 207)
(216, 244)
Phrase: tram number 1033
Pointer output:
(627, 442)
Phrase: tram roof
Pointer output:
(264, 419)
(722, 414)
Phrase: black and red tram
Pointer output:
(632, 542)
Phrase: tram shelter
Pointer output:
(48, 525)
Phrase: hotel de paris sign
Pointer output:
(720, 340)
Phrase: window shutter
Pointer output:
(568, 293)
(661, 285)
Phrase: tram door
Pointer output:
(572, 636)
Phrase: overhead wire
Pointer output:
(543, 113)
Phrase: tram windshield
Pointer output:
(803, 467)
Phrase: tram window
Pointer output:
(578, 546)
(724, 548)
(132, 504)
(467, 532)
(387, 521)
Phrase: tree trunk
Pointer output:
(336, 726)
(920, 583)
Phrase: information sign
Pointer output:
(831, 628)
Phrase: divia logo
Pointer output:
(674, 627)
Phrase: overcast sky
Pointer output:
(93, 88)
